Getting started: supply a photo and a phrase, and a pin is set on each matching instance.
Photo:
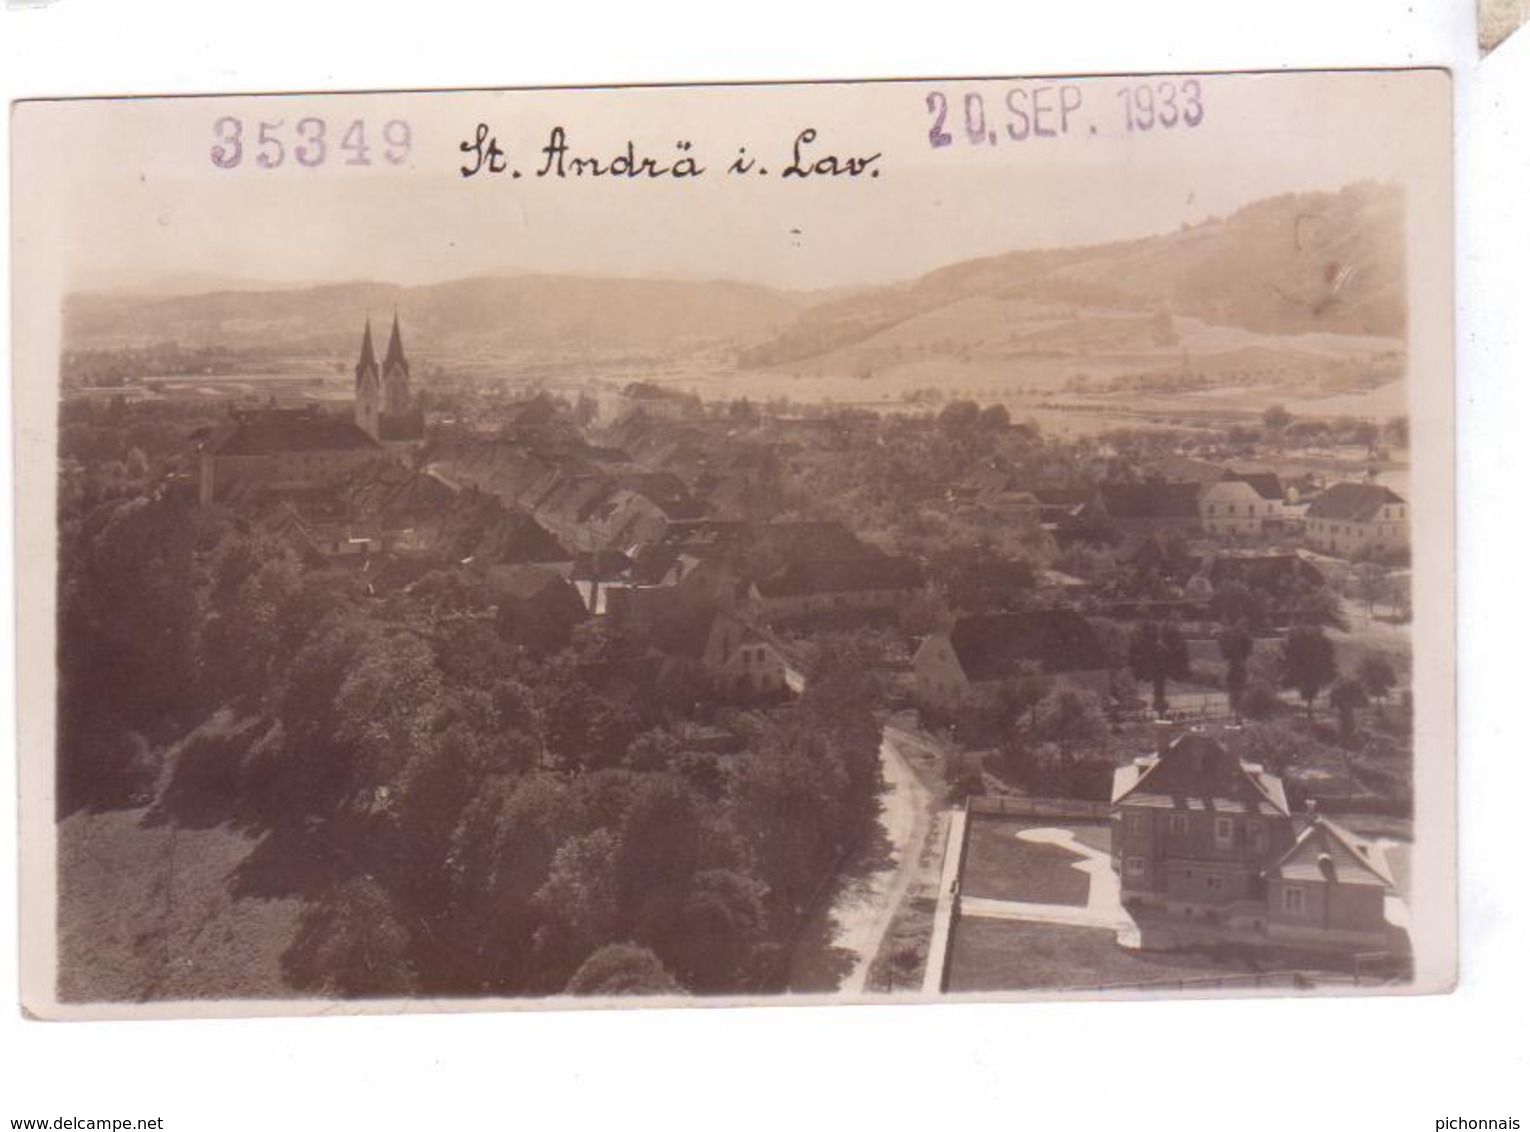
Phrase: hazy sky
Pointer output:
(115, 192)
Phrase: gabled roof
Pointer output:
(1268, 572)
(527, 581)
(989, 646)
(601, 565)
(691, 634)
(805, 541)
(994, 573)
(842, 575)
(1151, 499)
(262, 432)
(1265, 484)
(481, 528)
(1198, 773)
(394, 495)
(1327, 852)
(539, 410)
(1352, 502)
(688, 634)
(664, 490)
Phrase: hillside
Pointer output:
(1286, 266)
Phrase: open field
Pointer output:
(993, 954)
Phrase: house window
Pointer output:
(1136, 866)
(1293, 900)
(1224, 833)
(1256, 836)
(1135, 822)
(1179, 824)
(1213, 882)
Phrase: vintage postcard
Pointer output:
(869, 541)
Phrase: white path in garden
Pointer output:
(1393, 908)
(1102, 910)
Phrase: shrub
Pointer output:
(622, 968)
(1259, 700)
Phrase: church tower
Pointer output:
(395, 376)
(369, 394)
(385, 408)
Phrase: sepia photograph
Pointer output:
(897, 541)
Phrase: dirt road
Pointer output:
(835, 949)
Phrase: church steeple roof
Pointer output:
(368, 356)
(395, 355)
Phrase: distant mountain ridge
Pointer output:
(1324, 262)
(490, 314)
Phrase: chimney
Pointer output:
(1162, 729)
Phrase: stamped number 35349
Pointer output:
(309, 142)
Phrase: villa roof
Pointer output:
(1196, 772)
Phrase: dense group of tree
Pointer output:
(491, 811)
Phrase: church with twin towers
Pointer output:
(385, 405)
(275, 450)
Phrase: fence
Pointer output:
(1381, 975)
(1024, 807)
(1295, 980)
(948, 907)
